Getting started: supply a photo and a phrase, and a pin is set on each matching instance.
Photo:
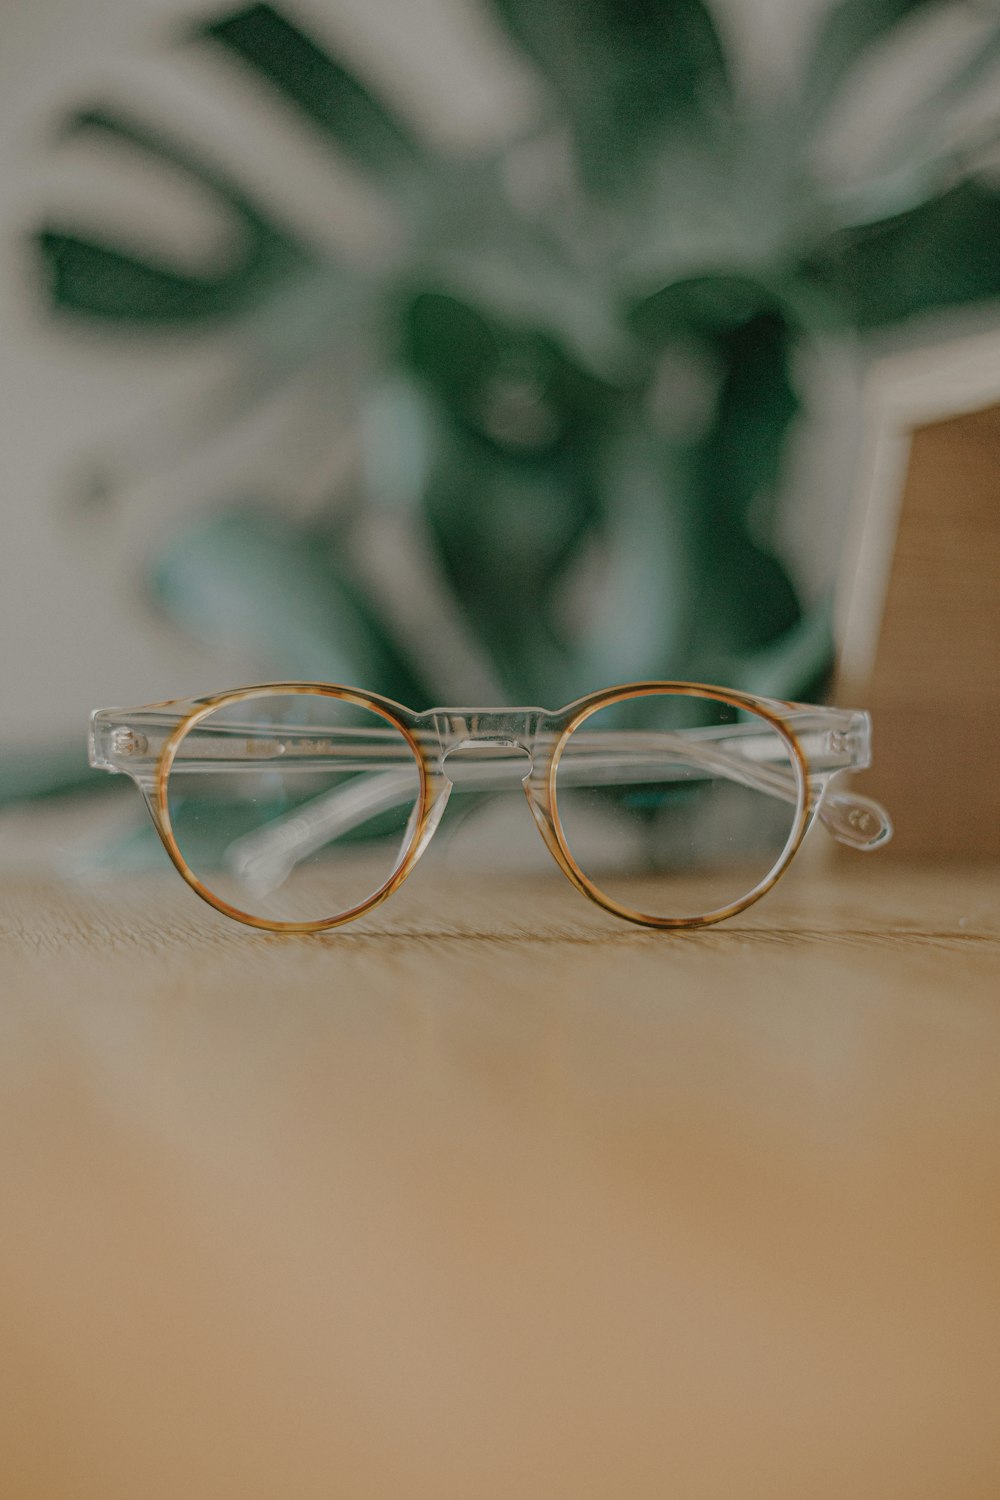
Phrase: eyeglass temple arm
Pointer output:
(834, 740)
(267, 856)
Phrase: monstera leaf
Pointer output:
(108, 282)
(845, 34)
(515, 346)
(632, 76)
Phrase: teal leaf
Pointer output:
(743, 598)
(110, 282)
(53, 772)
(628, 73)
(452, 347)
(257, 582)
(161, 147)
(740, 457)
(101, 281)
(514, 385)
(845, 34)
(511, 490)
(744, 602)
(796, 665)
(943, 254)
(707, 304)
(634, 623)
(504, 529)
(263, 39)
(926, 153)
(751, 339)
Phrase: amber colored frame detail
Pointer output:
(568, 864)
(382, 706)
(540, 791)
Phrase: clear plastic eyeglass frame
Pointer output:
(791, 753)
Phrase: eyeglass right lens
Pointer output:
(293, 807)
(677, 807)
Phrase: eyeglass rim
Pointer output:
(594, 703)
(544, 808)
(393, 712)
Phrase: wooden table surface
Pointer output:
(492, 1197)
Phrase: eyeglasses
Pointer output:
(299, 806)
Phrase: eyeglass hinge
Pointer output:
(128, 742)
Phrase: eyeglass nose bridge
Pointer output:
(492, 750)
(480, 749)
(473, 736)
(490, 761)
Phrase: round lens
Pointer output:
(295, 806)
(676, 806)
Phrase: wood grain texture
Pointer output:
(490, 1196)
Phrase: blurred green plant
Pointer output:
(532, 355)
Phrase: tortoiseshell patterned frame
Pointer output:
(145, 742)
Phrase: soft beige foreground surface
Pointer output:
(493, 1197)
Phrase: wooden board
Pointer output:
(490, 1196)
(934, 688)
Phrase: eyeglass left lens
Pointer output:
(293, 807)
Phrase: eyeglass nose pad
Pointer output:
(438, 790)
(536, 789)
(855, 820)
